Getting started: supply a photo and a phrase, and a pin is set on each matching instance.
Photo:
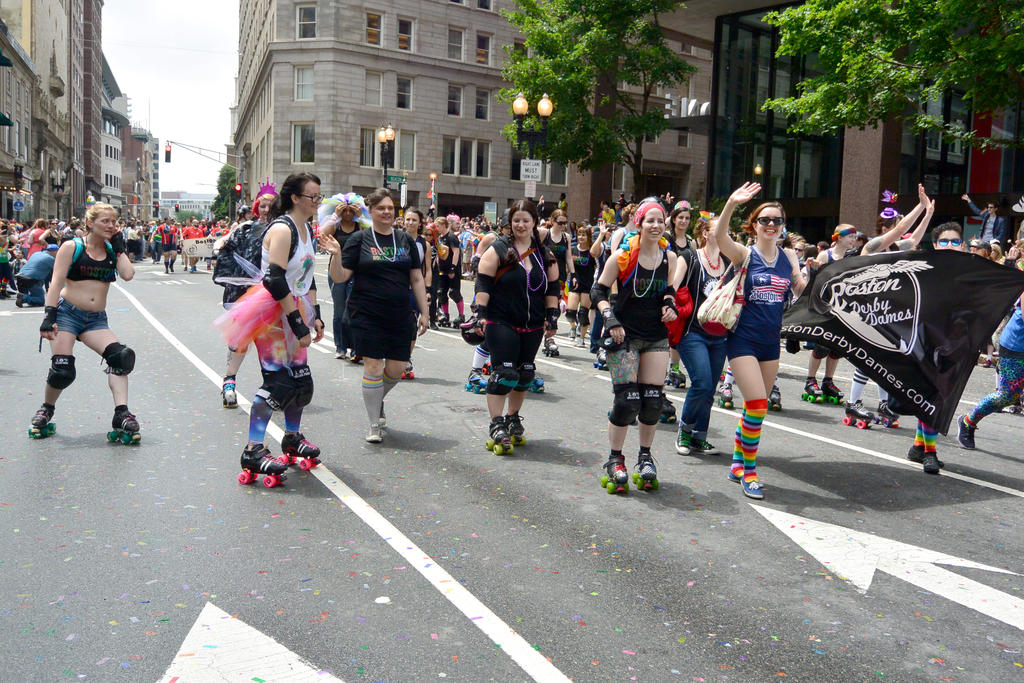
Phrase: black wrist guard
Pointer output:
(299, 328)
(670, 302)
(117, 243)
(551, 318)
(481, 312)
(317, 308)
(49, 319)
(610, 320)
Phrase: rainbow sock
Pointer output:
(925, 437)
(748, 435)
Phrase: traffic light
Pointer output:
(238, 189)
(156, 207)
(176, 208)
(167, 153)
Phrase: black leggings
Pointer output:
(449, 287)
(508, 346)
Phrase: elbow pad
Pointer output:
(484, 283)
(276, 284)
(599, 293)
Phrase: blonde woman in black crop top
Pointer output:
(76, 311)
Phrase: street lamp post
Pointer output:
(433, 195)
(386, 138)
(533, 138)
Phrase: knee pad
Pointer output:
(819, 352)
(570, 315)
(584, 316)
(120, 359)
(278, 389)
(502, 379)
(834, 356)
(303, 379)
(455, 292)
(625, 405)
(62, 371)
(651, 400)
(527, 372)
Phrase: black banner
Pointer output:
(913, 321)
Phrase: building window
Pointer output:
(556, 173)
(367, 147)
(483, 49)
(483, 4)
(684, 139)
(403, 95)
(454, 100)
(303, 83)
(405, 34)
(372, 28)
(465, 158)
(457, 2)
(372, 96)
(306, 21)
(483, 159)
(407, 151)
(448, 156)
(483, 104)
(519, 48)
(303, 143)
(455, 44)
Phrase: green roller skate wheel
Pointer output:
(489, 444)
(518, 440)
(497, 450)
(611, 487)
(112, 437)
(604, 481)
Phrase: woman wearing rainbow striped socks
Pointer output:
(753, 345)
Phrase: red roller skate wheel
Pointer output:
(895, 424)
(271, 480)
(306, 464)
(861, 424)
(246, 477)
(286, 459)
(847, 421)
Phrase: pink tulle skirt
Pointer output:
(257, 317)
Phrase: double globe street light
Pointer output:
(386, 138)
(533, 138)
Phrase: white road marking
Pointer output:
(855, 556)
(850, 447)
(501, 634)
(557, 365)
(223, 648)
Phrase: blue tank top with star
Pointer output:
(766, 290)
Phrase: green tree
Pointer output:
(224, 203)
(602, 63)
(889, 58)
(182, 216)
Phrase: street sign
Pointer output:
(404, 195)
(531, 169)
(491, 211)
(19, 205)
(396, 179)
(531, 189)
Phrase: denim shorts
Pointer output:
(763, 350)
(71, 318)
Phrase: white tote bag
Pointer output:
(720, 312)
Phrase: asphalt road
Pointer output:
(427, 557)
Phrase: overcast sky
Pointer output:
(176, 61)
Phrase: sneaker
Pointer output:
(374, 435)
(581, 342)
(383, 420)
(341, 355)
(572, 334)
(19, 300)
(930, 463)
(433, 325)
(684, 442)
(734, 478)
(965, 433)
(917, 454)
(703, 447)
(752, 489)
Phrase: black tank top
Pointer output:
(584, 265)
(639, 301)
(86, 267)
(560, 251)
(517, 297)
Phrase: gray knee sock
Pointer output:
(373, 397)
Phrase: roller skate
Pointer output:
(486, 369)
(514, 425)
(537, 386)
(500, 442)
(297, 449)
(444, 320)
(725, 397)
(41, 427)
(857, 416)
(550, 348)
(228, 394)
(646, 476)
(676, 377)
(812, 392)
(408, 372)
(831, 392)
(775, 399)
(602, 359)
(668, 411)
(256, 460)
(886, 417)
(617, 478)
(457, 322)
(475, 382)
(125, 428)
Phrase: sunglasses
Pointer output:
(955, 242)
(562, 222)
(770, 220)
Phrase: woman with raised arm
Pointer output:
(753, 345)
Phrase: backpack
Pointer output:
(239, 261)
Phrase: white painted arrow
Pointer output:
(222, 648)
(855, 555)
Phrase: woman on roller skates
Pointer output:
(449, 270)
(645, 270)
(517, 306)
(581, 281)
(386, 264)
(702, 353)
(412, 223)
(753, 345)
(75, 310)
(558, 243)
(277, 315)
